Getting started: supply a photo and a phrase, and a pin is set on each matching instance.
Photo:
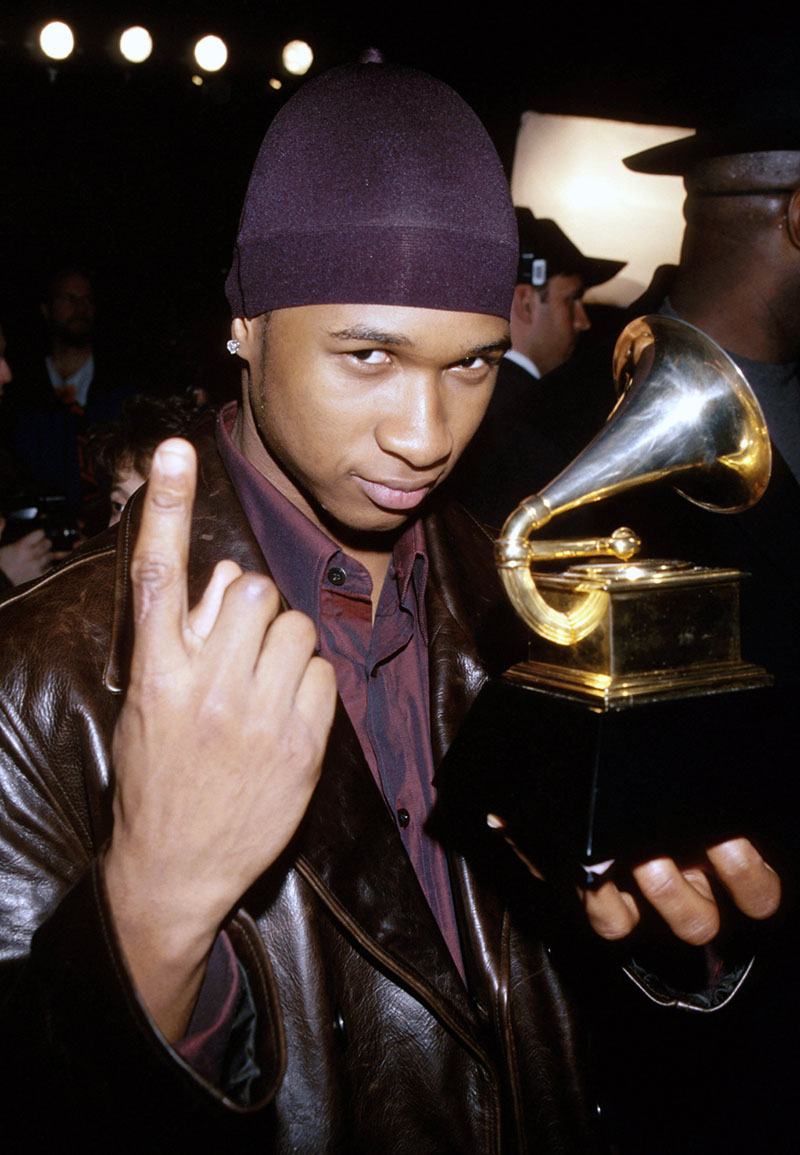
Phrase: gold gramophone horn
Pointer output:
(685, 411)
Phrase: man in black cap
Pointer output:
(547, 314)
(739, 273)
(739, 281)
(245, 937)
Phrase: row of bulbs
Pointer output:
(57, 42)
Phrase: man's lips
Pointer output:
(399, 495)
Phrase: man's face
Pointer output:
(560, 320)
(366, 408)
(70, 311)
(126, 481)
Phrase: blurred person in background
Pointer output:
(32, 555)
(58, 394)
(122, 450)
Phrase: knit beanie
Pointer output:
(375, 184)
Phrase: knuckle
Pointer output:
(613, 931)
(613, 914)
(658, 881)
(256, 587)
(298, 628)
(736, 860)
(325, 671)
(155, 570)
(700, 929)
(302, 752)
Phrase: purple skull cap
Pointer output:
(375, 185)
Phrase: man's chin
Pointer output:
(79, 338)
(366, 532)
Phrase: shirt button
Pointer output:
(337, 576)
(403, 817)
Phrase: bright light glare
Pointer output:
(136, 44)
(56, 40)
(297, 57)
(210, 53)
(275, 83)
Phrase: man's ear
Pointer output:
(240, 329)
(248, 331)
(793, 218)
(523, 304)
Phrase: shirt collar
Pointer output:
(523, 361)
(80, 380)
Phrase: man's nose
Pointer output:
(417, 429)
(581, 320)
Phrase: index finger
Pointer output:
(160, 556)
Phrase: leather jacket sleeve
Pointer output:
(77, 1043)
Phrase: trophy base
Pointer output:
(670, 630)
(610, 691)
(580, 783)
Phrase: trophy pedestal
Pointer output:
(575, 784)
(645, 738)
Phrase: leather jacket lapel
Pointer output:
(350, 853)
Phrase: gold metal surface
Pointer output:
(669, 629)
(685, 411)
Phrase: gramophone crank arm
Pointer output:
(622, 544)
(514, 554)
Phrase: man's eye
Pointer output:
(371, 356)
(473, 363)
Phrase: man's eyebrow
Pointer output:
(500, 346)
(381, 337)
(376, 336)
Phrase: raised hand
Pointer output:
(217, 749)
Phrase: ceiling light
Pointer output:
(211, 53)
(56, 40)
(297, 57)
(136, 44)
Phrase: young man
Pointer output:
(262, 947)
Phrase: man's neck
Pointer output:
(68, 359)
(748, 323)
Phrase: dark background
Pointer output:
(139, 174)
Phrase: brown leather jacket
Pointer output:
(367, 1039)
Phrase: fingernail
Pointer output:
(171, 462)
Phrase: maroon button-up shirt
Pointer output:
(381, 668)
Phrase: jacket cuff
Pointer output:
(712, 997)
(83, 1030)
